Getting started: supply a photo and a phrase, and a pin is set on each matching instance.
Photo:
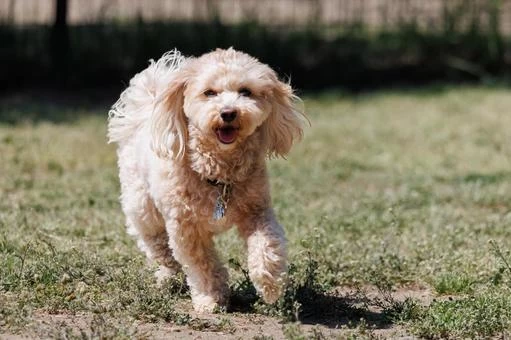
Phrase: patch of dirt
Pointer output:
(344, 311)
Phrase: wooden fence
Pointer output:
(372, 14)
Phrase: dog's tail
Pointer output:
(137, 102)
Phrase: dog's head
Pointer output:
(226, 95)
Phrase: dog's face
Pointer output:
(227, 95)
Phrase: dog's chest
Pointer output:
(212, 206)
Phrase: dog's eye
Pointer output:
(245, 92)
(210, 93)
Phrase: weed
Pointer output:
(243, 293)
(505, 267)
(262, 337)
(361, 331)
(302, 290)
(99, 327)
(293, 331)
(222, 325)
(453, 283)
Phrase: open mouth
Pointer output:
(227, 134)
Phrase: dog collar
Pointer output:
(224, 193)
(214, 182)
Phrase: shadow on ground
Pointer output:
(324, 309)
(336, 311)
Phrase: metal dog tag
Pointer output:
(219, 211)
(221, 202)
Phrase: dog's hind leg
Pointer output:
(145, 222)
(152, 239)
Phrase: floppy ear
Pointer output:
(285, 123)
(168, 121)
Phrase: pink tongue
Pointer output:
(227, 135)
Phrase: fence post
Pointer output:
(59, 42)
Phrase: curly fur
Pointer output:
(169, 145)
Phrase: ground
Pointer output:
(397, 207)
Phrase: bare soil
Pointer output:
(343, 311)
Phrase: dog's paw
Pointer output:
(163, 273)
(208, 304)
(268, 287)
(271, 293)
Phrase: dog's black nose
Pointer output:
(228, 115)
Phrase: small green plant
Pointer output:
(223, 324)
(361, 331)
(453, 283)
(262, 337)
(401, 311)
(243, 293)
(293, 331)
(302, 290)
(99, 327)
(394, 310)
(504, 271)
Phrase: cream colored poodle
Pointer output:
(193, 135)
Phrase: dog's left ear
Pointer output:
(168, 122)
(285, 123)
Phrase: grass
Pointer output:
(393, 190)
(452, 283)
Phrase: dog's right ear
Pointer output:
(168, 122)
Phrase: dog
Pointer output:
(193, 136)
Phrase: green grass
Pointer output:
(482, 315)
(391, 190)
(453, 283)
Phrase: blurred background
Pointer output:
(353, 45)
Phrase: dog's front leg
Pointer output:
(266, 247)
(194, 249)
